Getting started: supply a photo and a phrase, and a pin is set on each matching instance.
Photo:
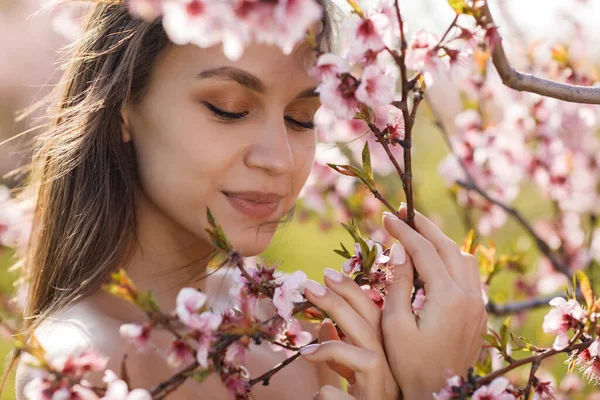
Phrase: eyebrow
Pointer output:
(247, 80)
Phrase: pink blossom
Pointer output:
(148, 10)
(338, 95)
(43, 389)
(328, 66)
(189, 302)
(447, 393)
(288, 293)
(495, 391)
(205, 24)
(419, 301)
(395, 125)
(137, 334)
(179, 354)
(203, 350)
(422, 54)
(543, 391)
(236, 383)
(292, 335)
(589, 362)
(118, 390)
(374, 295)
(364, 34)
(355, 263)
(376, 87)
(236, 353)
(16, 215)
(79, 363)
(564, 316)
(282, 23)
(493, 217)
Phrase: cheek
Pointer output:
(182, 159)
(304, 149)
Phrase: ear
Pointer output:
(125, 125)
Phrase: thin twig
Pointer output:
(269, 374)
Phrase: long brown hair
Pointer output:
(82, 174)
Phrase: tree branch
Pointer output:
(530, 83)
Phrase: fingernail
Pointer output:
(311, 348)
(326, 321)
(402, 204)
(333, 275)
(389, 214)
(315, 288)
(397, 254)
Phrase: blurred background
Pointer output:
(28, 70)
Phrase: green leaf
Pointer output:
(366, 161)
(349, 170)
(492, 340)
(344, 252)
(521, 343)
(571, 366)
(341, 253)
(484, 367)
(217, 234)
(458, 5)
(201, 375)
(586, 288)
(504, 332)
(370, 259)
(147, 302)
(469, 242)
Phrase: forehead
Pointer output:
(267, 62)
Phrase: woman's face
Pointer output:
(209, 130)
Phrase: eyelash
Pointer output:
(235, 116)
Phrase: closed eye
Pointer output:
(231, 116)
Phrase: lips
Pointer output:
(257, 197)
(254, 204)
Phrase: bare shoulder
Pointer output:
(70, 332)
(79, 329)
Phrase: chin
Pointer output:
(248, 244)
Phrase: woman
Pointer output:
(146, 136)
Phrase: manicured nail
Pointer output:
(397, 254)
(326, 321)
(389, 214)
(315, 288)
(311, 348)
(333, 275)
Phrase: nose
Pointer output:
(272, 150)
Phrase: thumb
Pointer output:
(327, 332)
(400, 285)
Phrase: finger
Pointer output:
(447, 249)
(424, 255)
(368, 365)
(356, 358)
(355, 296)
(327, 331)
(397, 305)
(351, 323)
(332, 393)
(472, 270)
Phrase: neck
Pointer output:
(166, 258)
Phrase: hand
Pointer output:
(360, 358)
(447, 334)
